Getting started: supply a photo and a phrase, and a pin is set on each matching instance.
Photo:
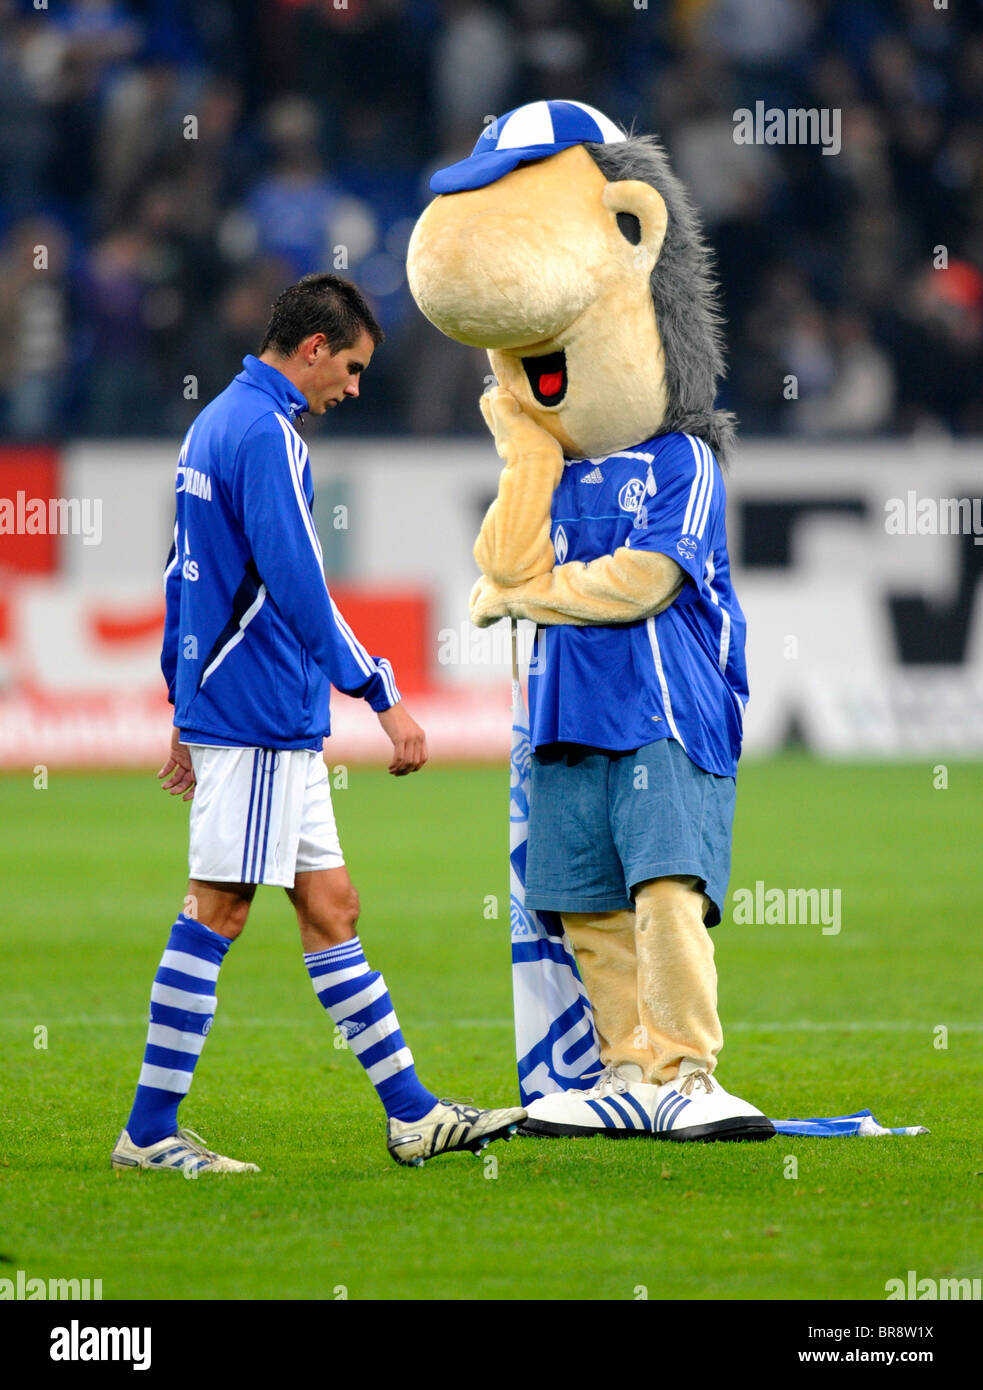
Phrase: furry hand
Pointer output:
(517, 436)
(625, 587)
(514, 542)
(488, 602)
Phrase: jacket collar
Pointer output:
(275, 384)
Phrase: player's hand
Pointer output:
(408, 740)
(178, 769)
(489, 602)
(518, 438)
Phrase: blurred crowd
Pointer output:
(168, 165)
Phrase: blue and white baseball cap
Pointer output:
(529, 132)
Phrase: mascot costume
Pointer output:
(572, 253)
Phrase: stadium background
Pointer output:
(858, 275)
(180, 162)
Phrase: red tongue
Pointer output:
(550, 383)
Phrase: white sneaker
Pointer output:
(449, 1127)
(618, 1105)
(184, 1151)
(695, 1106)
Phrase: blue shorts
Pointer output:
(601, 822)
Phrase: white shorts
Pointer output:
(260, 815)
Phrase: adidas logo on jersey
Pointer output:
(594, 476)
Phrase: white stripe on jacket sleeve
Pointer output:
(687, 527)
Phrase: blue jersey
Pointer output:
(252, 638)
(679, 675)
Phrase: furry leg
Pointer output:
(604, 944)
(677, 978)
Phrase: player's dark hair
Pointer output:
(319, 303)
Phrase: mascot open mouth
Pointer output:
(547, 377)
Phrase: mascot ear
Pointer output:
(631, 199)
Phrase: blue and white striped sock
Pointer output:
(358, 1002)
(182, 1006)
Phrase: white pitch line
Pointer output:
(802, 1025)
(114, 1021)
(813, 1025)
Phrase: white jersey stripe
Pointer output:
(702, 509)
(234, 641)
(663, 686)
(185, 445)
(300, 454)
(175, 561)
(388, 679)
(711, 571)
(361, 656)
(295, 445)
(724, 616)
(300, 460)
(289, 436)
(697, 480)
(365, 663)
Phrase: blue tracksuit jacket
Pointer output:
(252, 638)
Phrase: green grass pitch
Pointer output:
(93, 870)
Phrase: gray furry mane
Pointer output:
(684, 293)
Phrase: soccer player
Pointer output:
(252, 639)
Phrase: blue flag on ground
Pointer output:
(555, 1042)
(861, 1122)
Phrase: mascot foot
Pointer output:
(615, 1106)
(695, 1107)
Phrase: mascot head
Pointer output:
(573, 254)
